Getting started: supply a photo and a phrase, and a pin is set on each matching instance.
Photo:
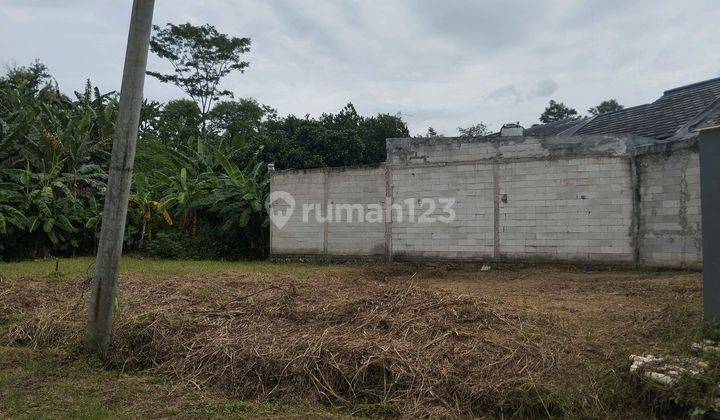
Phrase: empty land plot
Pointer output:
(370, 339)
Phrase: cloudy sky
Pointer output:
(440, 63)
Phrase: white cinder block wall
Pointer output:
(575, 198)
(670, 208)
(297, 237)
(567, 209)
(469, 236)
(352, 236)
(317, 190)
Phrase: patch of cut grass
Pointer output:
(52, 384)
(73, 267)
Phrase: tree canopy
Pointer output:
(180, 120)
(201, 57)
(609, 105)
(431, 132)
(341, 139)
(476, 130)
(557, 111)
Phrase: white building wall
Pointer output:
(312, 230)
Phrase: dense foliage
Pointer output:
(201, 57)
(193, 196)
(557, 111)
(609, 105)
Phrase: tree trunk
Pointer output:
(142, 232)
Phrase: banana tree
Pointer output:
(238, 195)
(182, 194)
(148, 209)
(10, 216)
(46, 201)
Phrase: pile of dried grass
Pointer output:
(341, 342)
(42, 316)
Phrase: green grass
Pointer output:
(43, 384)
(72, 267)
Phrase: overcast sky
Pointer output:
(440, 63)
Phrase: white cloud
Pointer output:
(544, 88)
(445, 64)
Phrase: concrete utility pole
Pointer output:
(107, 263)
(710, 213)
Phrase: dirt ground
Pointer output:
(386, 340)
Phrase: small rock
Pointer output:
(660, 378)
(706, 345)
(485, 267)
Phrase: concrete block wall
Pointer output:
(552, 209)
(566, 209)
(670, 207)
(416, 151)
(348, 235)
(470, 235)
(324, 234)
(596, 198)
(296, 237)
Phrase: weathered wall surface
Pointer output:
(312, 230)
(350, 235)
(469, 236)
(670, 207)
(567, 209)
(296, 237)
(518, 198)
(587, 199)
(418, 151)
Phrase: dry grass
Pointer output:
(400, 339)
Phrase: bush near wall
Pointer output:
(193, 195)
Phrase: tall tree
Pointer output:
(476, 130)
(375, 130)
(180, 120)
(201, 57)
(609, 105)
(431, 132)
(557, 111)
(32, 78)
(243, 117)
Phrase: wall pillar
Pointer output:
(496, 209)
(710, 215)
(326, 209)
(388, 215)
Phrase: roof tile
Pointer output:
(660, 119)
